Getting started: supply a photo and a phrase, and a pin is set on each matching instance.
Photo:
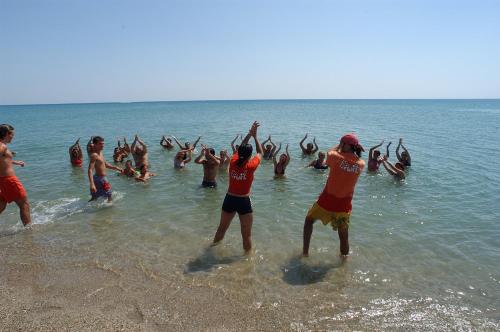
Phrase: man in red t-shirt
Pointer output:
(241, 169)
(334, 204)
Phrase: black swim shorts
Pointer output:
(242, 205)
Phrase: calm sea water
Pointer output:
(425, 252)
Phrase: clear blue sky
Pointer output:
(91, 51)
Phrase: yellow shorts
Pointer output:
(336, 219)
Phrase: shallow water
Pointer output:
(424, 252)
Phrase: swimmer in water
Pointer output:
(269, 149)
(374, 158)
(397, 170)
(144, 174)
(183, 157)
(210, 164)
(311, 148)
(224, 159)
(166, 143)
(76, 154)
(282, 163)
(404, 158)
(139, 152)
(129, 170)
(319, 163)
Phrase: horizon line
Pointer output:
(219, 100)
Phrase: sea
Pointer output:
(424, 252)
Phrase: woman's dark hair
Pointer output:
(244, 152)
(5, 129)
(357, 150)
(97, 139)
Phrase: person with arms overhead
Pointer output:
(281, 164)
(139, 152)
(310, 149)
(237, 200)
(404, 158)
(76, 154)
(269, 149)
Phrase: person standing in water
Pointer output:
(269, 149)
(139, 153)
(11, 189)
(334, 204)
(99, 185)
(210, 164)
(404, 158)
(76, 154)
(237, 200)
(374, 158)
(320, 162)
(281, 164)
(310, 149)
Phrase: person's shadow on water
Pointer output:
(300, 270)
(208, 260)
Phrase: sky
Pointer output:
(122, 51)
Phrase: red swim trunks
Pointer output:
(76, 162)
(11, 189)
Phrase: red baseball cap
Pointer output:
(351, 139)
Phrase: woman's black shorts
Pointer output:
(242, 205)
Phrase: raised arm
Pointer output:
(389, 167)
(199, 158)
(315, 146)
(287, 155)
(232, 143)
(370, 153)
(253, 132)
(267, 140)
(273, 150)
(144, 146)
(275, 162)
(407, 153)
(89, 145)
(387, 149)
(178, 143)
(304, 150)
(126, 147)
(196, 142)
(134, 143)
(398, 155)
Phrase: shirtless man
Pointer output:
(310, 148)
(166, 143)
(139, 152)
(210, 164)
(99, 185)
(76, 154)
(11, 189)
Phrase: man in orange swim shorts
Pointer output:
(11, 189)
(334, 204)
